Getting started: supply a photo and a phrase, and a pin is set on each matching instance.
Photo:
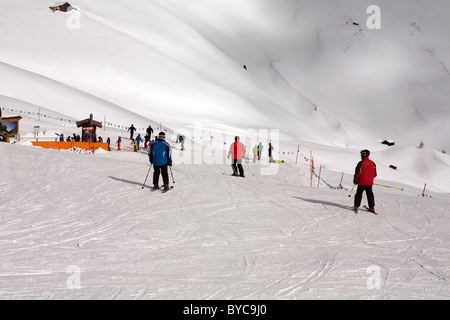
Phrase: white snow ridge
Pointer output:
(317, 81)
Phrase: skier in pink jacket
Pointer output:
(237, 151)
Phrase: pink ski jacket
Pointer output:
(237, 150)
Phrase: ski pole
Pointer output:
(147, 175)
(171, 173)
(350, 195)
(380, 185)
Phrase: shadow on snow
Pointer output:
(131, 182)
(325, 203)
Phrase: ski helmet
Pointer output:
(162, 135)
(365, 153)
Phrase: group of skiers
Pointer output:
(257, 152)
(136, 143)
(365, 171)
(77, 138)
(147, 137)
(160, 156)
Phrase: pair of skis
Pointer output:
(161, 189)
(366, 208)
(233, 175)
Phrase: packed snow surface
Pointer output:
(317, 83)
(213, 236)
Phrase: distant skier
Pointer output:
(138, 141)
(160, 155)
(149, 132)
(119, 141)
(108, 141)
(270, 152)
(181, 139)
(133, 142)
(255, 153)
(365, 173)
(260, 149)
(146, 140)
(132, 129)
(237, 151)
(61, 137)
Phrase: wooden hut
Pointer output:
(89, 129)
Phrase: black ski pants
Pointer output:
(163, 171)
(369, 194)
(237, 164)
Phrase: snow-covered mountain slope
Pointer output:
(310, 70)
(314, 71)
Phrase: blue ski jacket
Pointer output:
(160, 153)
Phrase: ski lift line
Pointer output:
(39, 115)
(161, 128)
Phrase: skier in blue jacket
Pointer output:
(138, 141)
(260, 149)
(160, 155)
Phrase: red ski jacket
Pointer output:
(237, 150)
(365, 172)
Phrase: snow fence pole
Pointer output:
(381, 185)
(350, 195)
(171, 173)
(320, 171)
(147, 175)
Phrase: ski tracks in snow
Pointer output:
(213, 236)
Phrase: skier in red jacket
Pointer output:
(365, 172)
(237, 151)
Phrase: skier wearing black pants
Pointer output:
(132, 129)
(365, 173)
(149, 132)
(160, 155)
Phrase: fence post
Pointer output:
(320, 171)
(311, 161)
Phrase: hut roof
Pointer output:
(12, 118)
(90, 122)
